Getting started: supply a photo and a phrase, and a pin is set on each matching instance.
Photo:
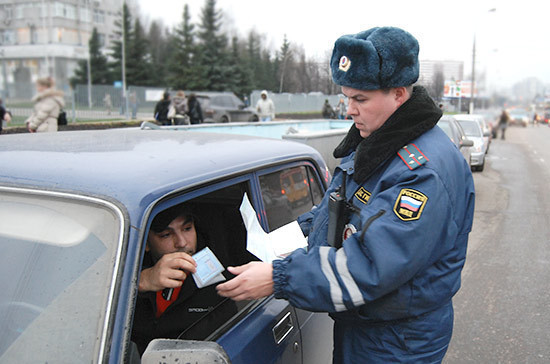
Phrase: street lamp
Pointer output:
(473, 86)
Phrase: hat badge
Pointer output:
(345, 63)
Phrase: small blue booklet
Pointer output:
(209, 268)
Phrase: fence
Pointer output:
(105, 102)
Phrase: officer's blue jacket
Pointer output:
(406, 243)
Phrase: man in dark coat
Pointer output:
(169, 304)
(161, 109)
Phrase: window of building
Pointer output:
(99, 16)
(9, 36)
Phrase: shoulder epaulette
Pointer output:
(412, 156)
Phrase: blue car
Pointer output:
(75, 211)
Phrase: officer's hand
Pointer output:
(254, 280)
(169, 272)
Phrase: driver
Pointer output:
(169, 304)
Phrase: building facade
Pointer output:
(41, 38)
(451, 70)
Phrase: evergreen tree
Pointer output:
(123, 26)
(285, 62)
(242, 80)
(212, 56)
(98, 65)
(138, 64)
(182, 73)
(159, 46)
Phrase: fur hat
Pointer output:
(374, 59)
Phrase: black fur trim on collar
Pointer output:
(412, 119)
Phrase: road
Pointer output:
(502, 312)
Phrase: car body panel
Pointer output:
(137, 173)
(474, 133)
(485, 128)
(454, 131)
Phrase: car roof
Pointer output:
(135, 166)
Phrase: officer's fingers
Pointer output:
(240, 269)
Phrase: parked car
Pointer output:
(473, 132)
(519, 117)
(75, 211)
(225, 107)
(454, 131)
(480, 119)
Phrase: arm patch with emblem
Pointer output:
(409, 204)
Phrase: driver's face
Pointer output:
(179, 236)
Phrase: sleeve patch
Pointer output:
(409, 204)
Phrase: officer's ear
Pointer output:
(401, 95)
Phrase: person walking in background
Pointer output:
(265, 107)
(503, 123)
(194, 110)
(133, 104)
(5, 116)
(328, 111)
(178, 109)
(47, 104)
(341, 109)
(161, 109)
(387, 261)
(108, 103)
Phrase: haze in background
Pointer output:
(512, 42)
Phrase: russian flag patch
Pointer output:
(409, 204)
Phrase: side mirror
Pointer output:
(184, 351)
(486, 133)
(467, 143)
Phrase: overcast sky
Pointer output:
(512, 42)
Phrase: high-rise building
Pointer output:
(451, 70)
(47, 38)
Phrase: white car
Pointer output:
(480, 119)
(474, 133)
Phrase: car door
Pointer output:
(262, 331)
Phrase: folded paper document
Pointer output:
(274, 245)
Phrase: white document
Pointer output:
(275, 245)
(209, 268)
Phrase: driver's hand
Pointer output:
(169, 272)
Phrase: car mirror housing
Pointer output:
(467, 143)
(184, 351)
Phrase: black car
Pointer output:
(224, 107)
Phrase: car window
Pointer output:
(471, 128)
(200, 311)
(60, 253)
(288, 193)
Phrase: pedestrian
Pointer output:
(341, 109)
(108, 103)
(161, 109)
(328, 111)
(48, 102)
(133, 104)
(195, 110)
(178, 109)
(405, 202)
(5, 116)
(503, 121)
(265, 107)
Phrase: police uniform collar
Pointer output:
(412, 119)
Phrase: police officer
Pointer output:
(404, 198)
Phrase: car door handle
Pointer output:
(283, 328)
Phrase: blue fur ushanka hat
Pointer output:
(375, 59)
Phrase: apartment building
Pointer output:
(47, 38)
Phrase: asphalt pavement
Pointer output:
(502, 312)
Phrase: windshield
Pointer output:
(56, 275)
(471, 128)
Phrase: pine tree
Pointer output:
(123, 26)
(138, 64)
(212, 56)
(182, 72)
(98, 65)
(160, 47)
